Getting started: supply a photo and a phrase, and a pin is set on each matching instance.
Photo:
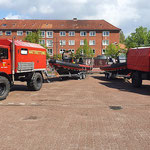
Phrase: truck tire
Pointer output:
(136, 79)
(36, 82)
(4, 87)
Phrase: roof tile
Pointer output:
(57, 25)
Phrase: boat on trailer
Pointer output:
(67, 69)
(116, 70)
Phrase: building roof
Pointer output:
(56, 25)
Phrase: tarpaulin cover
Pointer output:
(139, 59)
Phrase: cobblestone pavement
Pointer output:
(77, 115)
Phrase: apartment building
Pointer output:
(61, 35)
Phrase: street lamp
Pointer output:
(57, 45)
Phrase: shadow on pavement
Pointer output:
(121, 85)
(19, 88)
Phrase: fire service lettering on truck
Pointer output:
(37, 52)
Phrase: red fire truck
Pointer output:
(21, 61)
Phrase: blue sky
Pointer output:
(125, 14)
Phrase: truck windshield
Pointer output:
(3, 53)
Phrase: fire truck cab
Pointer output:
(21, 61)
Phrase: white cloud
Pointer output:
(10, 16)
(116, 13)
(125, 14)
(46, 9)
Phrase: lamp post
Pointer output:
(57, 46)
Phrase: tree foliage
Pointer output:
(122, 37)
(33, 37)
(141, 37)
(84, 51)
(113, 51)
(58, 56)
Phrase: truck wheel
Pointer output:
(136, 80)
(35, 84)
(4, 88)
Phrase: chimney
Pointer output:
(74, 19)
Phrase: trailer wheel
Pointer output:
(83, 76)
(136, 79)
(80, 77)
(35, 83)
(107, 75)
(4, 88)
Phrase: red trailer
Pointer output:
(21, 61)
(137, 66)
(138, 62)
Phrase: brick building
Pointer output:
(60, 35)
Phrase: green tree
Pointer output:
(122, 37)
(113, 51)
(84, 51)
(35, 37)
(141, 37)
(58, 56)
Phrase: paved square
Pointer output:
(76, 115)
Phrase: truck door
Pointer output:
(5, 60)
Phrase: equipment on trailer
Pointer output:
(137, 66)
(21, 61)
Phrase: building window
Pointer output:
(61, 51)
(20, 33)
(1, 32)
(93, 51)
(72, 50)
(49, 43)
(105, 42)
(71, 42)
(62, 42)
(62, 33)
(71, 33)
(49, 34)
(4, 25)
(83, 33)
(92, 42)
(42, 34)
(92, 33)
(50, 51)
(42, 42)
(28, 32)
(105, 33)
(81, 42)
(103, 51)
(8, 33)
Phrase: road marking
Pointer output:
(10, 103)
(33, 104)
(22, 103)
